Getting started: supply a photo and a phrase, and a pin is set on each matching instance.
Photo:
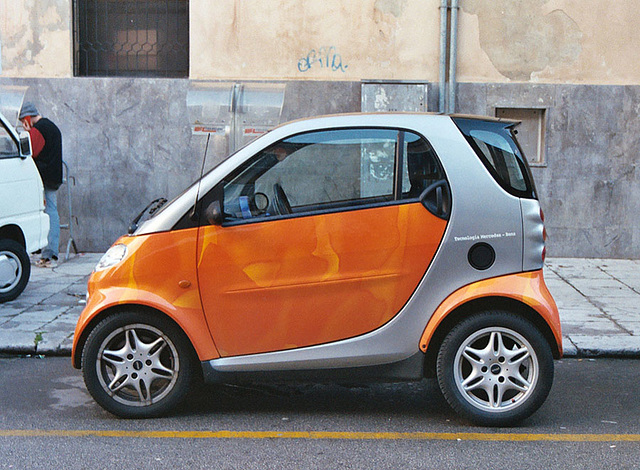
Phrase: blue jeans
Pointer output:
(51, 209)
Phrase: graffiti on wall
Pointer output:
(324, 58)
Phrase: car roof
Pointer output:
(390, 115)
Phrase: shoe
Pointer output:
(47, 263)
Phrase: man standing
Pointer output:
(46, 145)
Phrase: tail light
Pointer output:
(544, 235)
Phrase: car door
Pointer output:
(320, 237)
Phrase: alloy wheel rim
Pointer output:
(496, 369)
(137, 365)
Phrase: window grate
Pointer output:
(131, 38)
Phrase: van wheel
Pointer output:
(495, 368)
(137, 365)
(15, 269)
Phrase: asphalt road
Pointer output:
(47, 420)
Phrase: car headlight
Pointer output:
(113, 256)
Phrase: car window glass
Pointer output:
(495, 143)
(420, 166)
(329, 170)
(502, 156)
(315, 171)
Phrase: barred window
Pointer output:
(131, 38)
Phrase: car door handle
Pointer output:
(437, 199)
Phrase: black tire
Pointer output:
(137, 364)
(15, 269)
(495, 368)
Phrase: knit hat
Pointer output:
(28, 109)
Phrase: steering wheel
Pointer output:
(280, 199)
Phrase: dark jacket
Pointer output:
(49, 159)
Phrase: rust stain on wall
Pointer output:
(520, 38)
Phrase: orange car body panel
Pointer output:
(528, 288)
(311, 280)
(159, 271)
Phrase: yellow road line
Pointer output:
(419, 436)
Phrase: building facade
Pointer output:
(137, 85)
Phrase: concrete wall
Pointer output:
(128, 141)
(590, 185)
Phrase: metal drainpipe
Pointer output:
(443, 55)
(453, 57)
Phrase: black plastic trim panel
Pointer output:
(407, 370)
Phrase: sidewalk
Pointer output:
(42, 319)
(599, 302)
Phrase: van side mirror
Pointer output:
(25, 145)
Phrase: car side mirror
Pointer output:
(213, 213)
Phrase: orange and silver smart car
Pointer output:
(384, 247)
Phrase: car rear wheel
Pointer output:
(495, 368)
(137, 365)
(15, 269)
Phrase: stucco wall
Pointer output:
(549, 41)
(539, 41)
(331, 39)
(36, 38)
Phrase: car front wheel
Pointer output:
(137, 365)
(495, 368)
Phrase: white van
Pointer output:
(23, 224)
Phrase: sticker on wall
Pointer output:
(323, 58)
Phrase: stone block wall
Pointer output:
(128, 141)
(590, 183)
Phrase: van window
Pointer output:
(8, 147)
(495, 143)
